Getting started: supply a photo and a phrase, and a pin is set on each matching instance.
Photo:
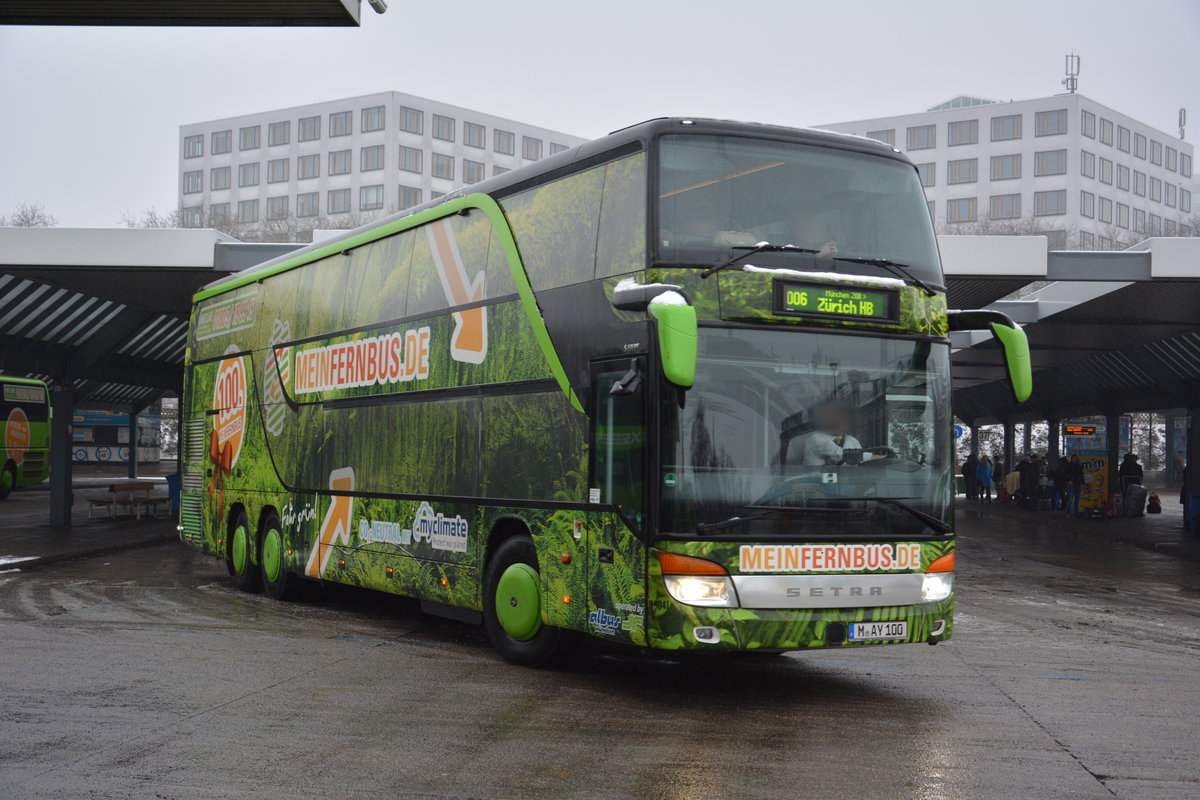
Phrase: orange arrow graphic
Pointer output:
(469, 341)
(337, 522)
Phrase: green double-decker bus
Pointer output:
(25, 419)
(683, 387)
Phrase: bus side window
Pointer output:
(619, 434)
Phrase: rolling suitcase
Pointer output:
(1135, 500)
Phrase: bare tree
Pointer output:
(283, 229)
(29, 215)
(151, 218)
(984, 225)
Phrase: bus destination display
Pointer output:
(838, 301)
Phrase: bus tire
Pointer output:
(246, 576)
(8, 480)
(277, 582)
(511, 609)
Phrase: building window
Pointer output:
(1156, 190)
(277, 170)
(193, 146)
(1106, 131)
(1087, 241)
(1185, 165)
(443, 166)
(1106, 171)
(928, 174)
(1087, 164)
(1048, 204)
(370, 198)
(310, 129)
(1155, 224)
(1006, 167)
(1005, 128)
(887, 137)
(1123, 138)
(1139, 220)
(279, 133)
(1106, 243)
(193, 182)
(248, 137)
(1172, 159)
(1139, 183)
(555, 147)
(341, 123)
(218, 214)
(930, 205)
(1005, 206)
(1088, 124)
(277, 207)
(963, 132)
(498, 170)
(474, 135)
(531, 148)
(339, 162)
(1156, 152)
(436, 195)
(443, 128)
(222, 142)
(472, 171)
(1139, 146)
(1050, 162)
(308, 204)
(371, 158)
(1050, 123)
(412, 120)
(218, 178)
(1169, 195)
(1056, 240)
(1106, 210)
(410, 159)
(1122, 216)
(409, 197)
(248, 174)
(247, 211)
(922, 137)
(961, 210)
(372, 119)
(1122, 177)
(1087, 205)
(962, 171)
(1168, 227)
(504, 142)
(1185, 201)
(308, 166)
(192, 216)
(338, 201)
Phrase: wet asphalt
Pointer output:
(1074, 672)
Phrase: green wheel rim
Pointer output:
(272, 555)
(238, 549)
(518, 596)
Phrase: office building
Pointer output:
(376, 153)
(1083, 174)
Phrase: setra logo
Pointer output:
(229, 398)
(16, 436)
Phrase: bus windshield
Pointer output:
(809, 435)
(718, 193)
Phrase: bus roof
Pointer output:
(622, 141)
(25, 381)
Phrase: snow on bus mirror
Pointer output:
(1011, 337)
(677, 337)
(631, 296)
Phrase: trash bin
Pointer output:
(173, 492)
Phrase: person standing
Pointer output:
(1058, 499)
(1074, 476)
(984, 477)
(970, 476)
(1130, 471)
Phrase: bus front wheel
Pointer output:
(8, 480)
(512, 612)
(246, 576)
(277, 582)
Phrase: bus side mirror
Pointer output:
(677, 337)
(1011, 337)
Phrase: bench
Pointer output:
(132, 496)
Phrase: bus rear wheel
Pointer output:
(277, 582)
(246, 576)
(8, 480)
(512, 609)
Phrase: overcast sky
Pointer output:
(89, 117)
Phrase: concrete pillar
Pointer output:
(62, 407)
(1054, 448)
(1113, 430)
(974, 440)
(1169, 449)
(133, 440)
(1027, 439)
(1010, 447)
(1192, 482)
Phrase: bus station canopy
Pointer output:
(181, 12)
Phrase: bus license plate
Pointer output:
(878, 631)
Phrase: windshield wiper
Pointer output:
(751, 249)
(901, 271)
(899, 502)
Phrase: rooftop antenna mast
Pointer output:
(1182, 121)
(1072, 79)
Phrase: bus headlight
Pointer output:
(702, 590)
(937, 586)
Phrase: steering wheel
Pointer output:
(786, 487)
(879, 450)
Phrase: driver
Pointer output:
(830, 439)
